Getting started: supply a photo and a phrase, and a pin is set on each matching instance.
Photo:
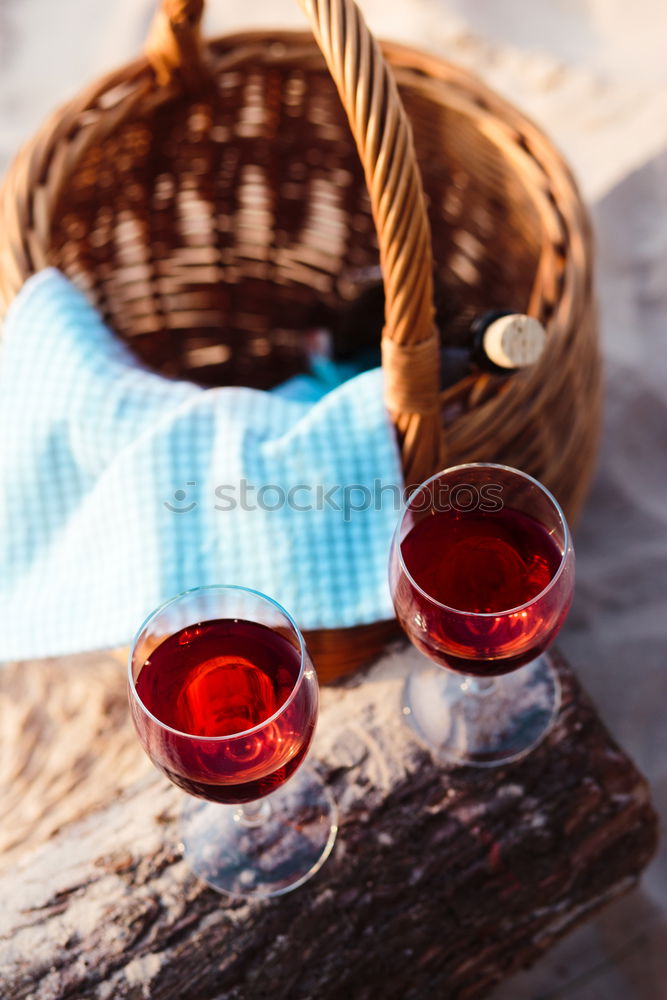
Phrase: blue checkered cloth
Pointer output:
(120, 488)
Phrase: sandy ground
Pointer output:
(594, 76)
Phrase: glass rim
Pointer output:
(198, 590)
(567, 540)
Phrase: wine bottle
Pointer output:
(499, 342)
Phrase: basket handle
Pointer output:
(379, 124)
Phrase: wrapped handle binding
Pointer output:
(368, 92)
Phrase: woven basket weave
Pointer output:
(207, 196)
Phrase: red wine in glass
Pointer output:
(481, 564)
(221, 678)
(224, 699)
(481, 574)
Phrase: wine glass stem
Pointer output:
(479, 686)
(253, 813)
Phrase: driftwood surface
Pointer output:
(442, 882)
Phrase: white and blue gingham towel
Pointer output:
(120, 488)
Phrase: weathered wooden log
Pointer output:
(443, 880)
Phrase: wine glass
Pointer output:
(482, 576)
(224, 699)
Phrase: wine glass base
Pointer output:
(482, 722)
(286, 843)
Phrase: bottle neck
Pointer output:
(479, 353)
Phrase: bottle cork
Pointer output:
(513, 341)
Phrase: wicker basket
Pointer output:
(206, 196)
